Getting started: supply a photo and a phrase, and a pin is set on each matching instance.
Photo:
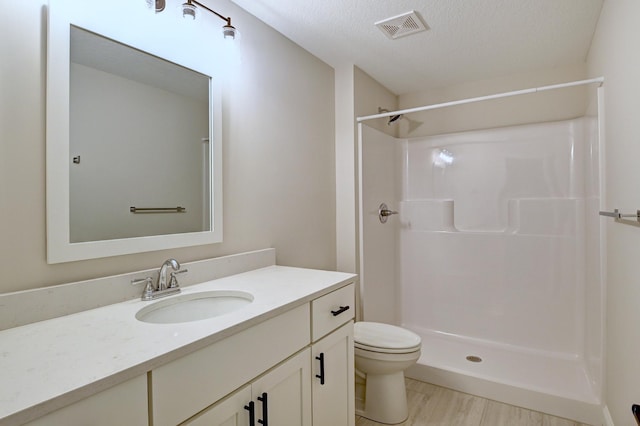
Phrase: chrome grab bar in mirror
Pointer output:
(157, 209)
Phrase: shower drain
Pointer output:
(473, 358)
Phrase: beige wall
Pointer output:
(357, 94)
(371, 95)
(278, 145)
(614, 54)
(346, 178)
(532, 108)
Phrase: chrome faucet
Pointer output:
(161, 289)
(162, 275)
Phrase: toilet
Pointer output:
(382, 353)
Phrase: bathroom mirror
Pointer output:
(133, 148)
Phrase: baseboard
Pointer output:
(606, 415)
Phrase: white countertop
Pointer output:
(50, 364)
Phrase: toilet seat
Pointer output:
(385, 338)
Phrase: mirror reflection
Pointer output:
(138, 139)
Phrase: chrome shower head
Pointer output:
(394, 118)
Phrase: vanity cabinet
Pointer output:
(333, 387)
(123, 404)
(295, 369)
(285, 392)
(332, 355)
(280, 397)
(228, 412)
(115, 369)
(192, 383)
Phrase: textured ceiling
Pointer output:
(468, 39)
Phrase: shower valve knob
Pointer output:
(384, 213)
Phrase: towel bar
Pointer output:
(620, 217)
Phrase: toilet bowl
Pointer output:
(382, 353)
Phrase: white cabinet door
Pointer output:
(333, 377)
(188, 385)
(229, 412)
(282, 397)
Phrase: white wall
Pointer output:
(614, 54)
(381, 164)
(278, 153)
(371, 95)
(357, 94)
(345, 179)
(379, 288)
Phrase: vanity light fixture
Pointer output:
(189, 10)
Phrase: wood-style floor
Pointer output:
(431, 405)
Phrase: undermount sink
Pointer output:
(194, 306)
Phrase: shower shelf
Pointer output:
(620, 217)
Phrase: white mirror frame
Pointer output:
(62, 14)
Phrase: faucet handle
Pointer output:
(173, 282)
(148, 288)
(137, 281)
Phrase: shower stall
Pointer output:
(494, 258)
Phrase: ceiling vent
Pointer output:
(402, 25)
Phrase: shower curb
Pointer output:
(581, 411)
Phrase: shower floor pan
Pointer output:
(551, 384)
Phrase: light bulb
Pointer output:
(156, 5)
(189, 11)
(229, 32)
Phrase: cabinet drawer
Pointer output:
(187, 385)
(332, 310)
